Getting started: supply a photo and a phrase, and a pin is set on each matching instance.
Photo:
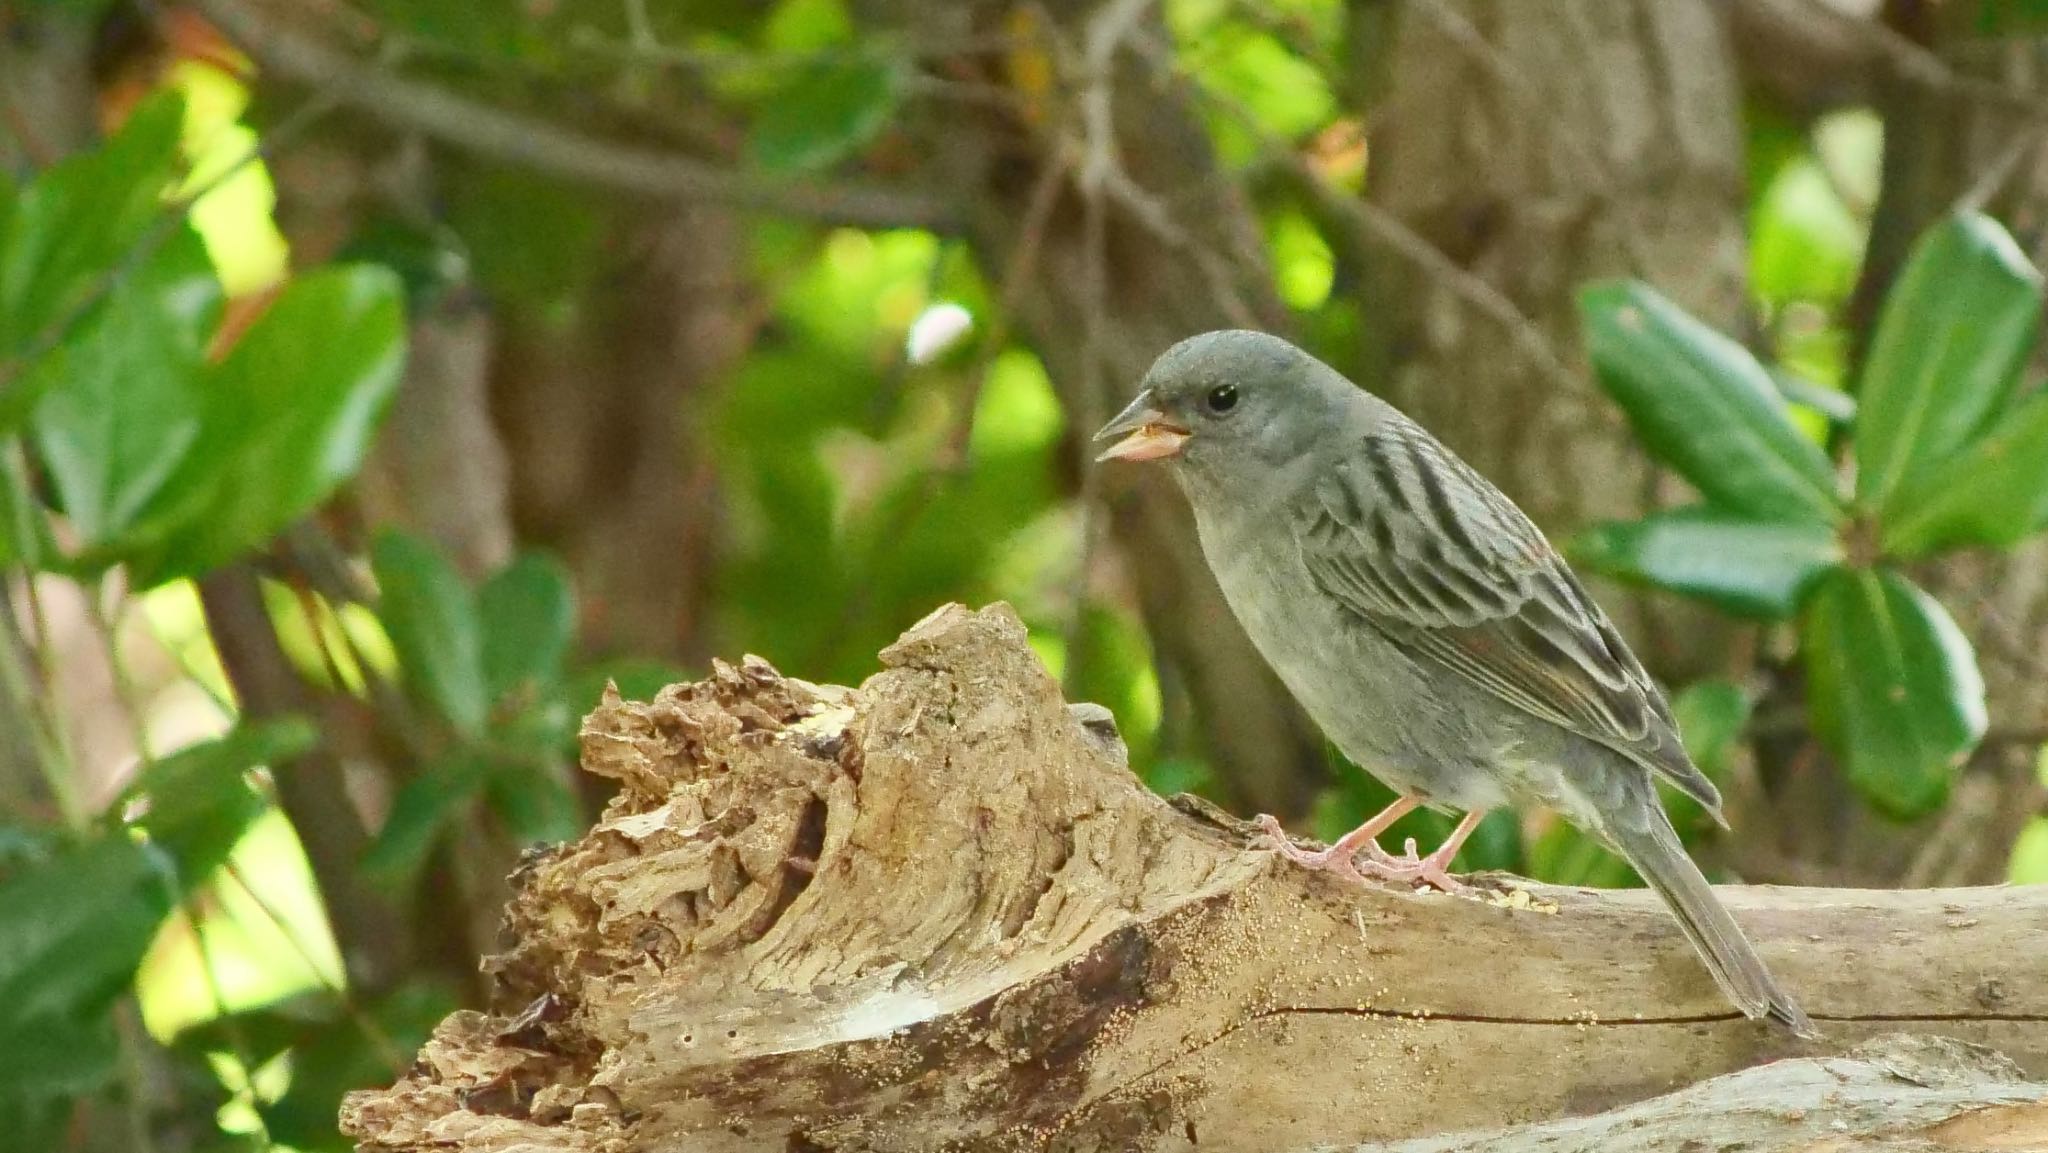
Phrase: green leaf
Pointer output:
(432, 622)
(420, 814)
(1995, 493)
(73, 930)
(200, 798)
(528, 616)
(70, 227)
(291, 412)
(1955, 331)
(1704, 406)
(356, 1048)
(123, 404)
(1711, 716)
(535, 804)
(1756, 568)
(1893, 687)
(24, 529)
(825, 114)
(52, 1055)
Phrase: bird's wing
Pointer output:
(1444, 565)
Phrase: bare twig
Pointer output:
(388, 1050)
(1102, 173)
(1375, 225)
(1999, 172)
(486, 130)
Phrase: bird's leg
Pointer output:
(1432, 870)
(1338, 858)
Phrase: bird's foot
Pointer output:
(1338, 858)
(1432, 870)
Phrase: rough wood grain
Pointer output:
(937, 912)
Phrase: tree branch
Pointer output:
(489, 131)
(939, 912)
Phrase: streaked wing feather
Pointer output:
(1443, 564)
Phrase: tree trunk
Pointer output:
(608, 425)
(938, 912)
(1540, 146)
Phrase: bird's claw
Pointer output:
(1407, 869)
(1331, 860)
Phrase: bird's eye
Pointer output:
(1221, 399)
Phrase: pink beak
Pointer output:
(1147, 433)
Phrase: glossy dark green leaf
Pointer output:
(73, 930)
(432, 621)
(1747, 566)
(56, 1055)
(528, 615)
(1711, 716)
(291, 411)
(1948, 350)
(420, 814)
(200, 799)
(1893, 687)
(823, 115)
(1995, 492)
(70, 228)
(1704, 406)
(123, 401)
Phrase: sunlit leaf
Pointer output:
(2029, 864)
(1955, 331)
(1995, 492)
(1746, 566)
(432, 620)
(1806, 245)
(1893, 687)
(1704, 406)
(200, 800)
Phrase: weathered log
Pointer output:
(938, 912)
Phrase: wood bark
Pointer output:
(939, 912)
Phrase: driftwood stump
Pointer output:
(938, 912)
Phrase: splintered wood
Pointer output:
(937, 912)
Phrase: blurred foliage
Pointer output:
(182, 397)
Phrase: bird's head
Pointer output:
(1226, 401)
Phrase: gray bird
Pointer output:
(1429, 628)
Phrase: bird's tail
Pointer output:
(1736, 968)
